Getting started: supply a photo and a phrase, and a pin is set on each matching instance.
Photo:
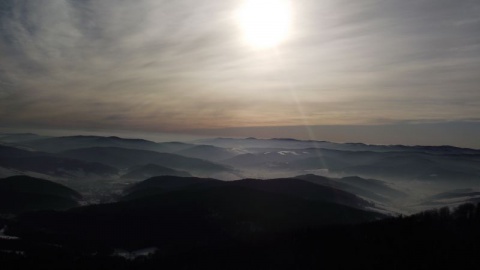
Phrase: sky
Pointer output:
(376, 71)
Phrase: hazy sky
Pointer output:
(185, 66)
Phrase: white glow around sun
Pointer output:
(265, 23)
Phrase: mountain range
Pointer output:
(400, 177)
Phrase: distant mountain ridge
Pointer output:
(302, 144)
(55, 166)
(20, 137)
(13, 152)
(126, 158)
(384, 165)
(59, 144)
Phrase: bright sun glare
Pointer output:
(265, 23)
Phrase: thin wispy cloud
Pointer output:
(183, 65)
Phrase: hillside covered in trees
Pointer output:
(427, 240)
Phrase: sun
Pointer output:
(265, 23)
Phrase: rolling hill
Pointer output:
(287, 186)
(186, 218)
(127, 158)
(23, 193)
(58, 166)
(151, 170)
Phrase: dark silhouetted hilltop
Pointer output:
(151, 170)
(24, 193)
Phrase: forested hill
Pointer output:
(428, 240)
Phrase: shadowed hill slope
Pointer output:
(287, 186)
(186, 218)
(151, 170)
(24, 193)
(126, 158)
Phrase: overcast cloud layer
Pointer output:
(155, 65)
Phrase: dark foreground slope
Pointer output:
(185, 219)
(24, 193)
(430, 240)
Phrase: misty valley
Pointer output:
(95, 202)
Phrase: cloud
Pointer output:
(181, 65)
